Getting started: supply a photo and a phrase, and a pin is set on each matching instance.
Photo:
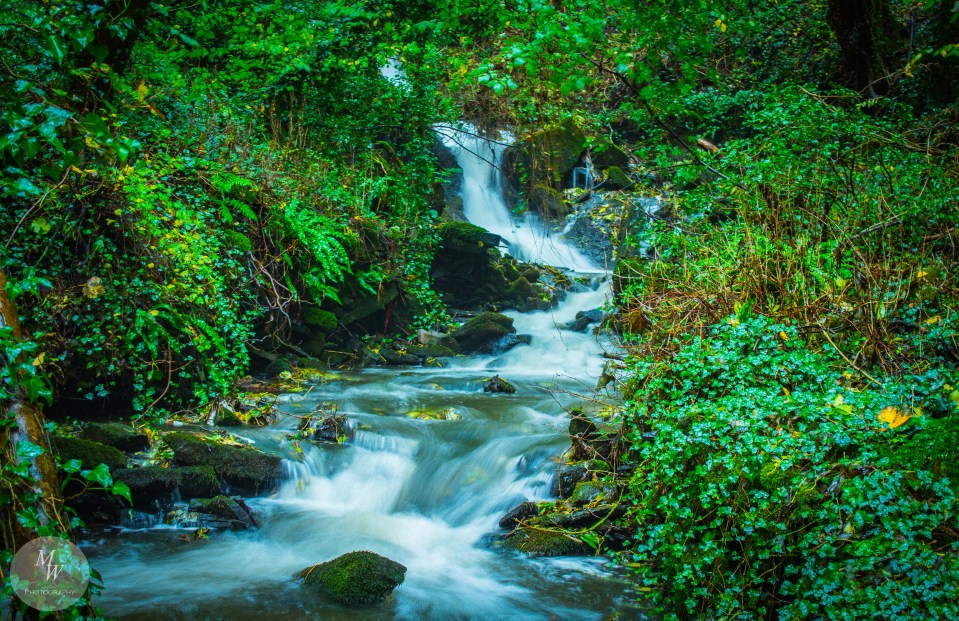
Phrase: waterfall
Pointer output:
(480, 158)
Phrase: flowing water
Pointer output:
(426, 493)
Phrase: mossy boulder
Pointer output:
(570, 475)
(243, 468)
(606, 155)
(223, 512)
(497, 384)
(90, 454)
(537, 542)
(548, 202)
(592, 492)
(521, 290)
(119, 436)
(366, 304)
(519, 513)
(546, 157)
(355, 578)
(616, 179)
(430, 351)
(481, 334)
(321, 319)
(155, 487)
(466, 237)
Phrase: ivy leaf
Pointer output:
(122, 489)
(73, 466)
(100, 474)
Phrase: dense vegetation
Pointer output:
(185, 185)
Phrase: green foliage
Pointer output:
(768, 489)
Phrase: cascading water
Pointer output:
(426, 493)
(481, 158)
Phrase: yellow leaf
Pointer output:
(733, 321)
(933, 320)
(154, 312)
(784, 336)
(93, 288)
(893, 416)
(39, 359)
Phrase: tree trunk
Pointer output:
(865, 31)
(40, 491)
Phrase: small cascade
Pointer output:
(481, 158)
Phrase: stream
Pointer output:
(426, 493)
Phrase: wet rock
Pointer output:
(435, 414)
(155, 487)
(577, 325)
(547, 201)
(580, 425)
(365, 304)
(223, 512)
(355, 578)
(89, 453)
(570, 475)
(536, 542)
(591, 492)
(482, 334)
(119, 436)
(605, 155)
(430, 351)
(430, 338)
(616, 178)
(497, 384)
(593, 316)
(244, 468)
(512, 340)
(521, 512)
(468, 238)
(590, 516)
(392, 356)
(325, 426)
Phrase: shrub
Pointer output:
(770, 489)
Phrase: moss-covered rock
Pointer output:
(482, 333)
(467, 237)
(592, 492)
(545, 157)
(547, 201)
(519, 513)
(119, 436)
(606, 155)
(616, 179)
(224, 512)
(537, 542)
(497, 384)
(572, 474)
(356, 577)
(155, 487)
(244, 468)
(319, 318)
(521, 290)
(91, 454)
(430, 351)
